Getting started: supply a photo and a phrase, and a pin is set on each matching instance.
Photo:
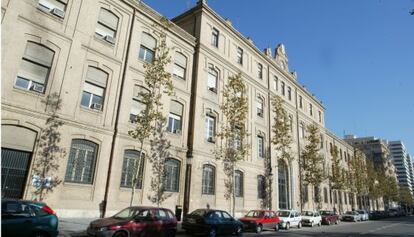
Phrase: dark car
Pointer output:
(27, 219)
(211, 222)
(257, 220)
(137, 222)
(329, 217)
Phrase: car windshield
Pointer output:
(349, 213)
(198, 212)
(284, 213)
(324, 213)
(131, 212)
(254, 214)
(307, 213)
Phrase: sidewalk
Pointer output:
(76, 227)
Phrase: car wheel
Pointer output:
(300, 225)
(287, 226)
(238, 231)
(259, 228)
(328, 222)
(212, 232)
(40, 234)
(277, 227)
(120, 234)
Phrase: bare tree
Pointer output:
(151, 122)
(49, 152)
(232, 132)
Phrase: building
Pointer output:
(402, 163)
(97, 71)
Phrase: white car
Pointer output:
(289, 218)
(311, 218)
(363, 215)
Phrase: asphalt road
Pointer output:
(391, 227)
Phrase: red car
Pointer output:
(137, 222)
(258, 220)
(329, 217)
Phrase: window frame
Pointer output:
(238, 184)
(47, 9)
(183, 67)
(106, 26)
(239, 55)
(208, 186)
(88, 83)
(260, 71)
(210, 132)
(215, 37)
(71, 178)
(261, 187)
(125, 171)
(260, 146)
(146, 49)
(260, 107)
(212, 74)
(174, 186)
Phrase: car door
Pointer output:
(267, 220)
(228, 223)
(144, 225)
(17, 219)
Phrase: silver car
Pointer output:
(363, 215)
(351, 216)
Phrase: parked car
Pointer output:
(289, 218)
(375, 215)
(138, 221)
(363, 215)
(27, 218)
(330, 217)
(351, 216)
(311, 218)
(211, 222)
(258, 220)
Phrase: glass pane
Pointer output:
(179, 71)
(141, 53)
(103, 31)
(86, 98)
(22, 83)
(51, 4)
(97, 100)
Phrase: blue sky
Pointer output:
(356, 56)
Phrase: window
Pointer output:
(289, 93)
(94, 88)
(325, 195)
(300, 102)
(260, 71)
(238, 183)
(175, 117)
(138, 105)
(261, 187)
(305, 194)
(210, 127)
(260, 146)
(316, 193)
(35, 67)
(283, 88)
(283, 184)
(55, 7)
(215, 37)
(302, 130)
(237, 138)
(321, 141)
(180, 65)
(147, 48)
(320, 116)
(259, 107)
(212, 79)
(275, 83)
(346, 199)
(132, 162)
(172, 175)
(208, 183)
(81, 162)
(291, 123)
(107, 25)
(311, 109)
(239, 55)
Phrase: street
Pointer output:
(391, 227)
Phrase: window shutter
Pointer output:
(108, 18)
(176, 108)
(180, 59)
(33, 72)
(97, 76)
(93, 89)
(148, 41)
(39, 54)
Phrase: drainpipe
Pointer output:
(118, 109)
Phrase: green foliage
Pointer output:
(358, 173)
(46, 164)
(406, 198)
(282, 138)
(232, 131)
(151, 121)
(312, 160)
(335, 176)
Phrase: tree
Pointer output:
(406, 198)
(335, 176)
(358, 172)
(312, 160)
(232, 132)
(281, 139)
(49, 152)
(150, 123)
(373, 188)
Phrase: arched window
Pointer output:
(132, 162)
(172, 175)
(283, 183)
(180, 65)
(212, 79)
(261, 187)
(138, 104)
(208, 182)
(107, 25)
(35, 67)
(260, 106)
(147, 48)
(94, 88)
(81, 162)
(238, 183)
(175, 118)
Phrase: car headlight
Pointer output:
(103, 228)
